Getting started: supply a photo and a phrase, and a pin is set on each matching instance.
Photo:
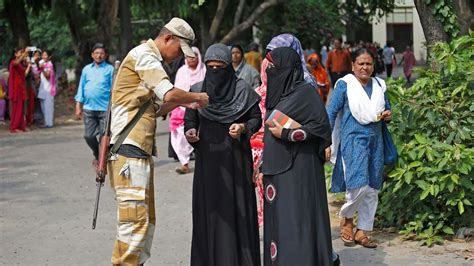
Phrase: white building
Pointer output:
(402, 27)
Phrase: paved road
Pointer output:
(46, 199)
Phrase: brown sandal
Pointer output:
(363, 240)
(347, 234)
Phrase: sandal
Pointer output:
(362, 239)
(182, 170)
(347, 234)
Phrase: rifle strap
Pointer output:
(126, 130)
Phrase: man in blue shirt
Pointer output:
(93, 95)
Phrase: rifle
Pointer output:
(101, 171)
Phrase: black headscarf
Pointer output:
(288, 92)
(283, 77)
(219, 83)
(229, 97)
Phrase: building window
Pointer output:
(400, 15)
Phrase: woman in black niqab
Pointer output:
(285, 72)
(296, 222)
(225, 229)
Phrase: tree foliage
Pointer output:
(363, 11)
(444, 12)
(430, 192)
(52, 35)
(313, 22)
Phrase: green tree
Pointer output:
(47, 32)
(15, 12)
(312, 22)
(443, 20)
(431, 191)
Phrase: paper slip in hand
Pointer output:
(282, 119)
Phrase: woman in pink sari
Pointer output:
(191, 73)
(17, 90)
(408, 61)
(47, 89)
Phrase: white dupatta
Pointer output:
(365, 110)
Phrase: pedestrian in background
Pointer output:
(253, 57)
(191, 73)
(92, 98)
(47, 89)
(389, 58)
(356, 110)
(242, 69)
(322, 79)
(256, 141)
(31, 90)
(324, 54)
(338, 63)
(18, 69)
(408, 61)
(38, 117)
(3, 102)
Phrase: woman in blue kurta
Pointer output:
(356, 109)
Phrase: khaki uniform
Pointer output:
(141, 77)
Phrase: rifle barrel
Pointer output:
(96, 206)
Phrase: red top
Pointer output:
(17, 82)
(339, 60)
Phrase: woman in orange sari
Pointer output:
(317, 70)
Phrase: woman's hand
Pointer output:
(235, 130)
(328, 154)
(387, 115)
(276, 129)
(191, 135)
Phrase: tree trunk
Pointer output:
(432, 28)
(84, 40)
(238, 13)
(465, 13)
(216, 22)
(247, 23)
(106, 20)
(125, 28)
(16, 14)
(204, 33)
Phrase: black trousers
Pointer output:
(389, 68)
(337, 75)
(94, 124)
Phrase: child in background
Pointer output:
(3, 90)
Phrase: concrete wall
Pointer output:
(379, 31)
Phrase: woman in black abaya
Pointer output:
(225, 230)
(296, 222)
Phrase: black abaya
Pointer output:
(225, 229)
(296, 223)
(297, 228)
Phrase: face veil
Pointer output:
(229, 97)
(283, 74)
(219, 83)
